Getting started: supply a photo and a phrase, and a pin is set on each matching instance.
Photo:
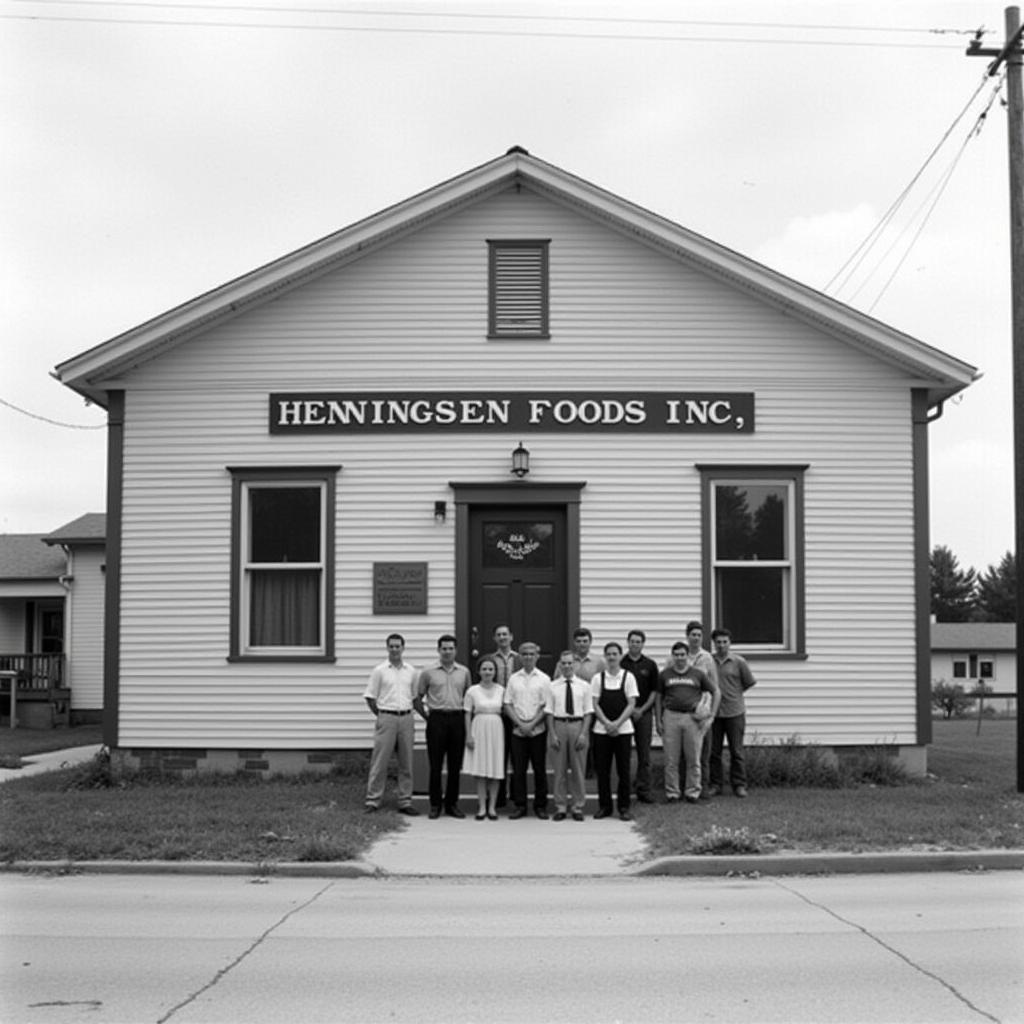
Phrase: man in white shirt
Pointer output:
(569, 712)
(389, 695)
(615, 694)
(526, 697)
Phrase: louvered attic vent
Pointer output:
(518, 289)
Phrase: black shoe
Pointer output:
(714, 791)
(454, 812)
(409, 811)
(541, 813)
(643, 798)
(706, 794)
(692, 799)
(491, 817)
(625, 816)
(559, 816)
(577, 815)
(435, 812)
(481, 817)
(603, 812)
(519, 812)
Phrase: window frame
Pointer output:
(243, 480)
(495, 247)
(794, 645)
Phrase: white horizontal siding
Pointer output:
(84, 608)
(414, 317)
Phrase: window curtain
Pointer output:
(285, 608)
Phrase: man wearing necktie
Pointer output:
(569, 712)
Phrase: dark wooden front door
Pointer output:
(518, 576)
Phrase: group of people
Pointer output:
(592, 714)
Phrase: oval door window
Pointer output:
(527, 544)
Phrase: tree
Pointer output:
(997, 592)
(950, 698)
(952, 587)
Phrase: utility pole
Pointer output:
(1011, 56)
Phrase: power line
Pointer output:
(498, 16)
(857, 257)
(500, 33)
(54, 423)
(939, 189)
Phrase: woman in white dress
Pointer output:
(485, 738)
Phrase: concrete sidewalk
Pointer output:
(36, 764)
(528, 847)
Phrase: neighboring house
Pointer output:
(976, 653)
(51, 617)
(318, 453)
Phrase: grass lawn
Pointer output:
(969, 801)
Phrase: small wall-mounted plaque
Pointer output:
(399, 588)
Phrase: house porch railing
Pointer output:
(35, 671)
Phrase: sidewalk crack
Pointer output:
(255, 944)
(890, 949)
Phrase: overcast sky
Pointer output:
(145, 163)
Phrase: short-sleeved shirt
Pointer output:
(582, 701)
(734, 679)
(625, 682)
(680, 691)
(393, 688)
(443, 687)
(645, 672)
(527, 693)
(587, 667)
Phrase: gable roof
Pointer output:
(88, 529)
(974, 636)
(93, 371)
(24, 556)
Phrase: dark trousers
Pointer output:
(530, 751)
(606, 750)
(643, 730)
(446, 741)
(730, 729)
(502, 787)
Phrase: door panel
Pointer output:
(518, 576)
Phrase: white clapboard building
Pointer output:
(321, 452)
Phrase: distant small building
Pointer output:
(976, 653)
(51, 615)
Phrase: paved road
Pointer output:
(102, 948)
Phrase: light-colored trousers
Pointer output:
(568, 765)
(390, 733)
(681, 736)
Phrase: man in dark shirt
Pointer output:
(645, 672)
(679, 690)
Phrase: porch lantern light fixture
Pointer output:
(520, 461)
(440, 513)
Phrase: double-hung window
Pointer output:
(753, 555)
(517, 305)
(282, 563)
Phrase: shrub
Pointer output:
(873, 766)
(950, 698)
(790, 762)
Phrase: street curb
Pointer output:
(837, 863)
(691, 866)
(264, 869)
